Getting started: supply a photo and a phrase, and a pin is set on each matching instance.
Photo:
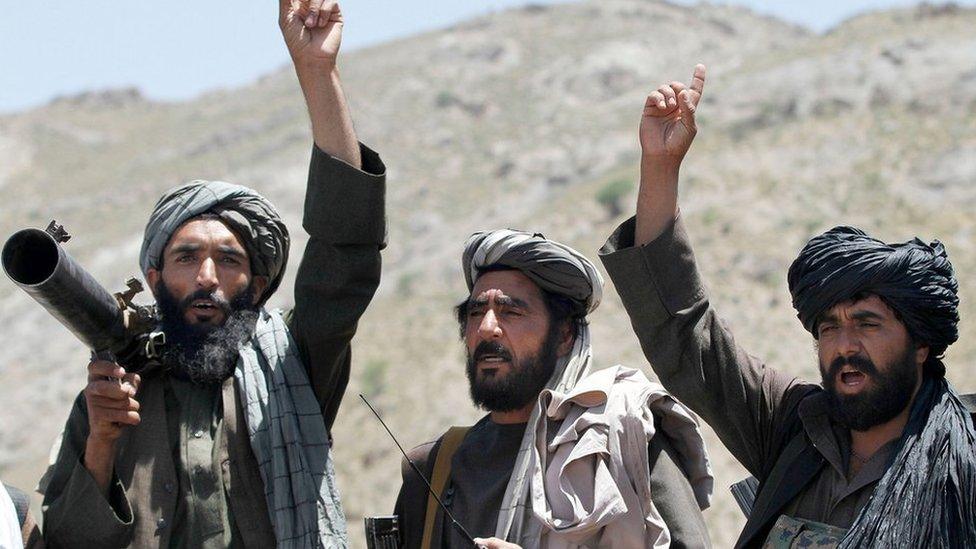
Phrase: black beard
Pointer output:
(523, 383)
(891, 394)
(202, 353)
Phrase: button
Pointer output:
(198, 434)
(169, 487)
(161, 523)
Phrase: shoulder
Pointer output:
(422, 456)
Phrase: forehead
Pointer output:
(511, 283)
(202, 232)
(870, 303)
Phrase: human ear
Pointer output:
(567, 337)
(152, 277)
(921, 354)
(259, 283)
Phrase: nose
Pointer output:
(489, 328)
(848, 342)
(207, 275)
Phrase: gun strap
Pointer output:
(438, 480)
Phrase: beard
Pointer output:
(888, 395)
(525, 379)
(205, 354)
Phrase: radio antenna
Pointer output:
(430, 490)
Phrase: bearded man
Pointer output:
(225, 441)
(882, 453)
(565, 457)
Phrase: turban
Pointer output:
(913, 278)
(252, 218)
(554, 267)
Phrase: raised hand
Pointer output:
(111, 406)
(312, 30)
(667, 125)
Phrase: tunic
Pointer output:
(481, 467)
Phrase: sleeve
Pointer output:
(673, 497)
(411, 503)
(76, 514)
(692, 351)
(340, 269)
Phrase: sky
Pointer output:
(178, 49)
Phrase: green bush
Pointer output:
(611, 195)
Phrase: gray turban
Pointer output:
(554, 267)
(252, 218)
(914, 278)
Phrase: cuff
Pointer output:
(658, 279)
(84, 513)
(343, 204)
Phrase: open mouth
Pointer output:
(852, 378)
(204, 309)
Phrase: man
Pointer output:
(17, 526)
(565, 457)
(882, 453)
(224, 442)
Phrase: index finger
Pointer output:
(698, 79)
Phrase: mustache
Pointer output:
(861, 363)
(218, 301)
(490, 348)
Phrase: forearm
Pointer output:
(657, 197)
(99, 460)
(332, 127)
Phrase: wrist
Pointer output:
(314, 66)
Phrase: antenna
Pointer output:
(430, 490)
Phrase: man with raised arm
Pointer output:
(882, 452)
(224, 442)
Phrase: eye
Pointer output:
(185, 258)
(827, 328)
(512, 313)
(475, 313)
(230, 260)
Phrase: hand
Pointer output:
(111, 402)
(495, 543)
(312, 30)
(667, 125)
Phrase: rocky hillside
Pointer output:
(525, 118)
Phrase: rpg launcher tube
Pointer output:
(34, 260)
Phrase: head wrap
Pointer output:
(252, 218)
(915, 279)
(554, 267)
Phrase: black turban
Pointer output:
(913, 278)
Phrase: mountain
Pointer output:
(525, 118)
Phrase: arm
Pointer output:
(77, 510)
(652, 265)
(344, 209)
(312, 30)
